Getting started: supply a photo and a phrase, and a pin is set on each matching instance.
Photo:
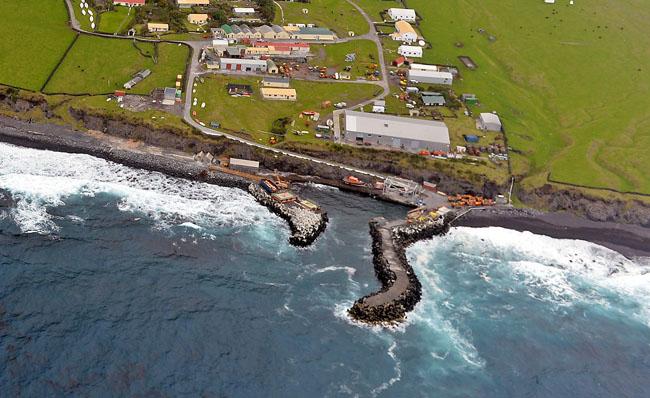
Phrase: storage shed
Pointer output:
(402, 14)
(407, 134)
(489, 122)
(431, 77)
(410, 51)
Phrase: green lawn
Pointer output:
(337, 15)
(115, 21)
(333, 56)
(374, 7)
(255, 115)
(568, 81)
(98, 65)
(29, 50)
(84, 20)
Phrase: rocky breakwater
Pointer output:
(401, 290)
(306, 225)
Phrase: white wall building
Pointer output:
(410, 51)
(431, 77)
(402, 14)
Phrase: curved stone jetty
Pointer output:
(401, 290)
(305, 225)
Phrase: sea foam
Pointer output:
(39, 180)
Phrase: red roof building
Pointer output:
(129, 3)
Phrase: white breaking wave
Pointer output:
(558, 271)
(39, 180)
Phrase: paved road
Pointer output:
(195, 70)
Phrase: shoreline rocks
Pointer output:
(305, 225)
(401, 290)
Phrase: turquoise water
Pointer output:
(121, 282)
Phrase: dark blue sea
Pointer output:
(116, 282)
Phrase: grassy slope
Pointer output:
(566, 79)
(22, 41)
(98, 65)
(374, 7)
(256, 114)
(84, 20)
(116, 20)
(337, 15)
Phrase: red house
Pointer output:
(129, 3)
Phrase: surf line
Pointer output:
(401, 290)
(306, 226)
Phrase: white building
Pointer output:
(407, 134)
(489, 122)
(431, 77)
(410, 51)
(402, 14)
(416, 66)
(243, 10)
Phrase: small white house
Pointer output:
(410, 51)
(402, 14)
(379, 106)
(489, 122)
(243, 11)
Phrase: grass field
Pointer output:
(84, 20)
(97, 65)
(115, 21)
(374, 7)
(337, 15)
(255, 115)
(29, 51)
(333, 56)
(568, 81)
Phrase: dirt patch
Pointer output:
(139, 103)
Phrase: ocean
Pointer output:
(122, 282)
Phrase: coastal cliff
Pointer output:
(401, 290)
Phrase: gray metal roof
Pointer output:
(276, 79)
(314, 31)
(395, 126)
(277, 28)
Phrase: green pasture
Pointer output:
(374, 7)
(98, 65)
(116, 20)
(333, 56)
(569, 82)
(255, 115)
(337, 15)
(32, 41)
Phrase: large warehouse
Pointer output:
(403, 133)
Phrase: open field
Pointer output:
(115, 21)
(333, 56)
(84, 20)
(374, 7)
(255, 115)
(566, 80)
(97, 65)
(28, 50)
(337, 15)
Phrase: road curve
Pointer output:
(194, 70)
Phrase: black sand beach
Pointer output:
(629, 240)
